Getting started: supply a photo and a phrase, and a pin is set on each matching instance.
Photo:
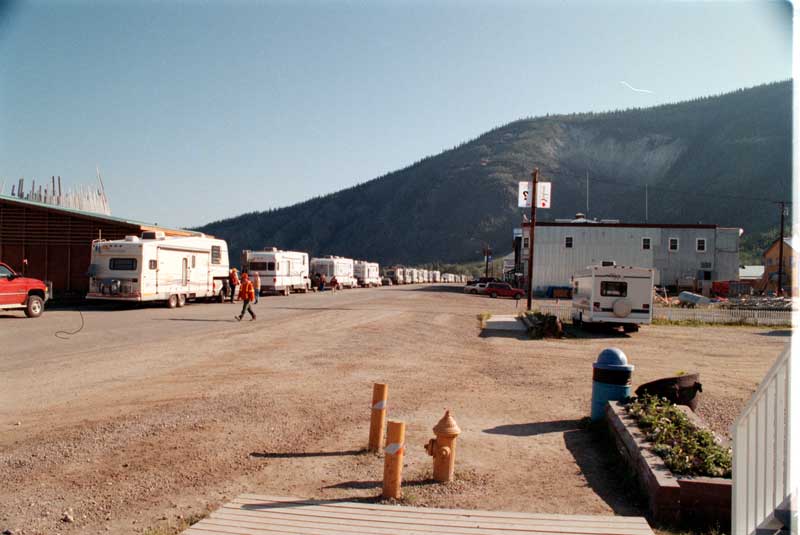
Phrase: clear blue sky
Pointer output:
(196, 111)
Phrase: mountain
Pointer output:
(708, 160)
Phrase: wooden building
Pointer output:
(53, 243)
(769, 281)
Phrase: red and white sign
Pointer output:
(543, 190)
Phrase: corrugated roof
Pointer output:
(92, 215)
(751, 272)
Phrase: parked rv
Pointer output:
(396, 274)
(282, 272)
(367, 274)
(158, 268)
(335, 266)
(613, 295)
(410, 276)
(436, 276)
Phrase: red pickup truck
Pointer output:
(18, 292)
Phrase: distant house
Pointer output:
(751, 273)
(769, 280)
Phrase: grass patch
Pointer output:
(483, 317)
(686, 450)
(732, 323)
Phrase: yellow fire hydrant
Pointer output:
(443, 448)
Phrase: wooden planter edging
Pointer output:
(696, 501)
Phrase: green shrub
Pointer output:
(686, 450)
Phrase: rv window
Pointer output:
(153, 264)
(701, 245)
(568, 242)
(613, 289)
(645, 244)
(193, 261)
(122, 264)
(216, 254)
(673, 244)
(258, 266)
(271, 266)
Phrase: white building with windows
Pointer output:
(682, 255)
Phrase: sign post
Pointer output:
(533, 204)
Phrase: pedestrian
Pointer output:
(233, 281)
(334, 284)
(246, 294)
(257, 285)
(322, 282)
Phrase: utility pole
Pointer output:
(487, 254)
(535, 175)
(780, 252)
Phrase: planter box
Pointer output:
(695, 501)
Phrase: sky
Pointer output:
(196, 111)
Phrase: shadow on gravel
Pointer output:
(536, 428)
(592, 333)
(301, 454)
(439, 289)
(492, 333)
(782, 332)
(604, 470)
(362, 485)
(196, 319)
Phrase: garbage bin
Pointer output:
(611, 380)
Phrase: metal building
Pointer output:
(682, 255)
(53, 243)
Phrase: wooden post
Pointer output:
(393, 460)
(380, 393)
(535, 175)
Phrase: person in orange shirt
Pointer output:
(233, 282)
(247, 294)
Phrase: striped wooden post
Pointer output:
(380, 393)
(393, 460)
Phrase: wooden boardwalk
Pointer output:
(251, 514)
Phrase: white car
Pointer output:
(477, 288)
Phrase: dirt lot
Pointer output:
(151, 415)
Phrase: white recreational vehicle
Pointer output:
(367, 274)
(281, 272)
(614, 295)
(158, 268)
(396, 274)
(436, 276)
(335, 266)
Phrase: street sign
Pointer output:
(542, 194)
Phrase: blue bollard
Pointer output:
(611, 380)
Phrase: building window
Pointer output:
(645, 244)
(153, 264)
(568, 242)
(673, 244)
(525, 243)
(701, 245)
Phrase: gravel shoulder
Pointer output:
(148, 416)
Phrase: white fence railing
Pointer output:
(703, 315)
(761, 455)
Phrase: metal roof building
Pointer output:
(682, 255)
(56, 241)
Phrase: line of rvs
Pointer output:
(174, 270)
(408, 275)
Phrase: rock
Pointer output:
(68, 518)
(8, 532)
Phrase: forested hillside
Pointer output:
(712, 160)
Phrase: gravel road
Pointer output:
(148, 416)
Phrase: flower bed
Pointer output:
(686, 449)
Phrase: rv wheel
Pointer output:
(172, 302)
(181, 300)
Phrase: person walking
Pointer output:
(246, 294)
(233, 282)
(322, 282)
(334, 284)
(256, 285)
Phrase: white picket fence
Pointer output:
(703, 315)
(761, 454)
